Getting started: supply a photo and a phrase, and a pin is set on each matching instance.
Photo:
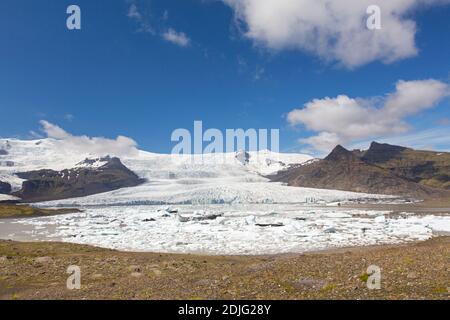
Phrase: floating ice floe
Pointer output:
(252, 229)
(5, 197)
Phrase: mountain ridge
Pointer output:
(243, 177)
(83, 180)
(382, 169)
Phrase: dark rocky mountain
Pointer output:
(359, 171)
(5, 188)
(4, 148)
(87, 178)
(425, 167)
(243, 157)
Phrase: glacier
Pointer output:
(176, 179)
(212, 204)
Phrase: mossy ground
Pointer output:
(24, 211)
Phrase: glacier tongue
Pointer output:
(212, 192)
(226, 207)
(210, 178)
(213, 172)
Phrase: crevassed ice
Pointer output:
(176, 178)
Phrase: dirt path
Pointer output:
(38, 271)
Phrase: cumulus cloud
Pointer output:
(175, 37)
(92, 146)
(342, 120)
(324, 141)
(333, 30)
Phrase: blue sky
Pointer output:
(122, 74)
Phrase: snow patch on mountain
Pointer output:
(92, 163)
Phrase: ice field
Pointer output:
(230, 229)
(221, 204)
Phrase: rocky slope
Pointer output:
(425, 167)
(378, 170)
(5, 188)
(87, 178)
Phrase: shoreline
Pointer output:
(199, 254)
(19, 211)
(20, 229)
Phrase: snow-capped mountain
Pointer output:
(211, 178)
(231, 207)
(92, 176)
(31, 155)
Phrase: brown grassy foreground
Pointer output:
(25, 211)
(38, 271)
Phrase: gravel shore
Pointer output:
(39, 271)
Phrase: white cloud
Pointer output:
(322, 141)
(415, 96)
(343, 120)
(135, 14)
(334, 30)
(175, 37)
(53, 131)
(94, 146)
(143, 20)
